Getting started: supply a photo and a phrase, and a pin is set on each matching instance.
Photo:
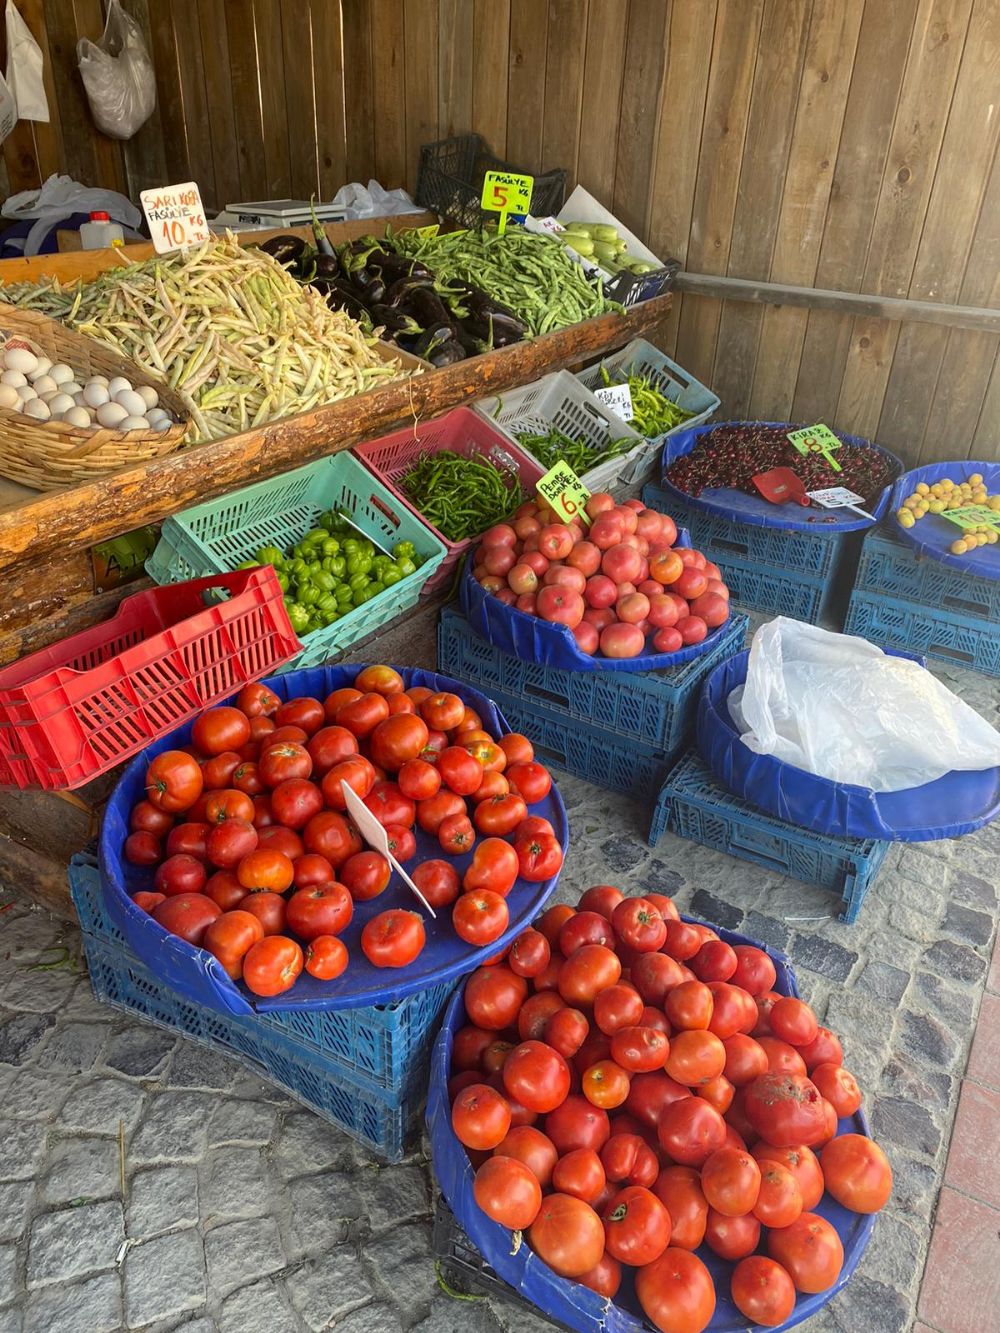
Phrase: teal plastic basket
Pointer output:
(221, 534)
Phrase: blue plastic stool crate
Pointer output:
(365, 1069)
(892, 568)
(654, 708)
(694, 806)
(797, 574)
(897, 623)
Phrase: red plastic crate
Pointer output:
(72, 711)
(463, 432)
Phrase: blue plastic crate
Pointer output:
(381, 1046)
(654, 708)
(694, 806)
(897, 623)
(893, 568)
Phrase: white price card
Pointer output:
(375, 835)
(839, 497)
(618, 397)
(176, 216)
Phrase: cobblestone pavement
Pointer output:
(242, 1212)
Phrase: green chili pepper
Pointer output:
(462, 496)
(555, 445)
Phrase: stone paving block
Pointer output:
(926, 1040)
(955, 961)
(969, 925)
(324, 1288)
(33, 1095)
(953, 1003)
(139, 1051)
(197, 1326)
(306, 1144)
(321, 1209)
(895, 1253)
(865, 1306)
(8, 1267)
(262, 1308)
(904, 1123)
(929, 1088)
(821, 955)
(236, 1121)
(241, 1252)
(513, 1318)
(81, 1168)
(161, 1199)
(74, 1241)
(22, 1147)
(94, 1305)
(972, 891)
(38, 992)
(451, 1316)
(20, 1034)
(915, 1183)
(710, 908)
(11, 1320)
(766, 930)
(403, 1263)
(98, 1106)
(883, 981)
(164, 1277)
(378, 1318)
(16, 1197)
(235, 1183)
(74, 1047)
(195, 1066)
(393, 1195)
(174, 1127)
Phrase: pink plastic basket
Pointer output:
(463, 432)
(72, 711)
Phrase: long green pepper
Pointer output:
(461, 496)
(581, 456)
(652, 411)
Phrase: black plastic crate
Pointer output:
(450, 181)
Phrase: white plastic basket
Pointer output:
(560, 401)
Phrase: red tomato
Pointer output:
(839, 1087)
(508, 1192)
(393, 938)
(500, 815)
(730, 1181)
(268, 908)
(225, 889)
(432, 813)
(272, 965)
(329, 746)
(459, 771)
(246, 778)
(733, 1010)
(228, 804)
(781, 1058)
(584, 928)
(277, 838)
(227, 843)
(357, 772)
(480, 1117)
(333, 836)
(810, 1250)
(337, 700)
(188, 915)
(755, 971)
(566, 1029)
(495, 784)
(695, 1058)
(142, 848)
(180, 875)
(792, 1020)
(493, 997)
(256, 700)
(602, 899)
(605, 1084)
(229, 937)
(148, 901)
(402, 843)
(398, 739)
(146, 817)
(591, 969)
(442, 711)
(786, 1109)
(295, 801)
(365, 875)
(220, 729)
(312, 869)
(676, 1292)
(638, 1050)
(281, 736)
(534, 1149)
(567, 1235)
(261, 727)
(552, 920)
(323, 909)
(857, 1173)
(517, 748)
(303, 712)
(265, 869)
(581, 1174)
(651, 1094)
(539, 857)
(683, 940)
(535, 1013)
(493, 868)
(379, 679)
(762, 1291)
(619, 1006)
(326, 957)
(636, 1226)
(282, 761)
(803, 1164)
(690, 1131)
(638, 924)
(173, 781)
(531, 781)
(217, 771)
(779, 1199)
(824, 1049)
(262, 816)
(628, 1158)
(578, 1124)
(654, 975)
(537, 1076)
(419, 780)
(480, 916)
(529, 953)
(605, 1278)
(718, 1092)
(689, 1006)
(438, 881)
(714, 961)
(746, 1059)
(679, 1189)
(456, 834)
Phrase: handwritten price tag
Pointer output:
(617, 397)
(973, 516)
(506, 192)
(176, 217)
(564, 491)
(816, 440)
(835, 497)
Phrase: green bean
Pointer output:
(652, 411)
(462, 496)
(581, 456)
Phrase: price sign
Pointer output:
(565, 492)
(618, 397)
(835, 497)
(973, 516)
(176, 217)
(506, 192)
(816, 440)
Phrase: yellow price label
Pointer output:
(563, 490)
(816, 440)
(507, 192)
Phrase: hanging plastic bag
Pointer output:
(839, 707)
(24, 68)
(8, 109)
(118, 75)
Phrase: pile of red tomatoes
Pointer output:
(614, 582)
(630, 1087)
(256, 856)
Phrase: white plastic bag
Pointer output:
(839, 707)
(118, 75)
(8, 109)
(24, 68)
(373, 202)
(57, 199)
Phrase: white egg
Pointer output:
(19, 405)
(161, 423)
(116, 385)
(37, 409)
(8, 396)
(98, 379)
(78, 416)
(79, 400)
(42, 367)
(132, 402)
(26, 393)
(60, 403)
(156, 414)
(148, 394)
(20, 358)
(44, 384)
(61, 373)
(71, 387)
(94, 395)
(15, 378)
(111, 415)
(134, 423)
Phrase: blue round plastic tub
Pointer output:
(197, 975)
(954, 804)
(761, 513)
(531, 639)
(567, 1301)
(933, 534)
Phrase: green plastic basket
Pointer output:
(219, 535)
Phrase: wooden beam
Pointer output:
(64, 521)
(852, 303)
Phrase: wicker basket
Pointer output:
(47, 455)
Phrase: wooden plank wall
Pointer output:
(846, 144)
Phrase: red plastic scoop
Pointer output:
(780, 485)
